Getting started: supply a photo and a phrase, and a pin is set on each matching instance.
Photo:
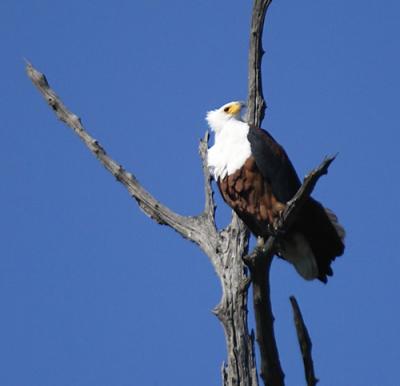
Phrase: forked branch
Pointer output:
(191, 228)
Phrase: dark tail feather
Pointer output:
(324, 234)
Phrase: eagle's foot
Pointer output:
(275, 230)
(280, 218)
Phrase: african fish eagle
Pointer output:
(257, 179)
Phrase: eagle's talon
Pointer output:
(275, 230)
(280, 219)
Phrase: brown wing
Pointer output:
(248, 193)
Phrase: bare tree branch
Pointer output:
(188, 227)
(209, 206)
(256, 103)
(295, 204)
(259, 262)
(304, 343)
(270, 367)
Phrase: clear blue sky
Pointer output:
(92, 292)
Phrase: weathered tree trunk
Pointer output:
(226, 249)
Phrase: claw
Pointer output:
(275, 229)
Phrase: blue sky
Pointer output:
(92, 292)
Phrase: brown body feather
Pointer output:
(251, 197)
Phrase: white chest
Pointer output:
(230, 150)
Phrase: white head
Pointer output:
(231, 147)
(217, 118)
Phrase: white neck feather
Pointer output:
(231, 148)
(216, 119)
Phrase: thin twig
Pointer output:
(304, 343)
(309, 182)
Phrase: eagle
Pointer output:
(256, 179)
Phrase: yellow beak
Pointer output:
(235, 108)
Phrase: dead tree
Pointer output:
(227, 249)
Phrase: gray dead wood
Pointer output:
(256, 102)
(304, 343)
(270, 367)
(225, 248)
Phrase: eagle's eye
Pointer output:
(226, 109)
